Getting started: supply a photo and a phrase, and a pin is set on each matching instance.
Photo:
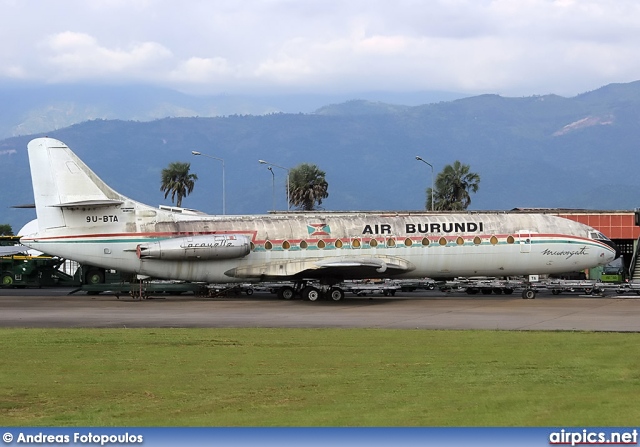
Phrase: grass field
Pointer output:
(317, 377)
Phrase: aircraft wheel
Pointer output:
(285, 293)
(311, 293)
(95, 276)
(6, 280)
(528, 294)
(336, 294)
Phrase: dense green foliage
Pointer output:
(177, 181)
(6, 230)
(453, 187)
(316, 377)
(308, 186)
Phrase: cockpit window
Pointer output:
(598, 236)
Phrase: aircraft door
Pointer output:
(524, 239)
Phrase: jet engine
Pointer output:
(204, 247)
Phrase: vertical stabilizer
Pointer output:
(60, 179)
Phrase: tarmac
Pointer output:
(54, 308)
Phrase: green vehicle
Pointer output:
(18, 268)
(614, 272)
(33, 271)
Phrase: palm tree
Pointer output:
(307, 186)
(453, 187)
(177, 181)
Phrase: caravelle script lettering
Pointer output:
(567, 253)
(224, 243)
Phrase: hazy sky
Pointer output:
(509, 47)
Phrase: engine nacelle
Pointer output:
(227, 246)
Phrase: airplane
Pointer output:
(81, 218)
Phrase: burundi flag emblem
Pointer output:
(318, 229)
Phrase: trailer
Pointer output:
(485, 285)
(231, 289)
(143, 289)
(371, 287)
(530, 286)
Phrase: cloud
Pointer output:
(78, 56)
(505, 46)
(202, 70)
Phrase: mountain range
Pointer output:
(530, 152)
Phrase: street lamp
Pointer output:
(433, 191)
(273, 188)
(224, 205)
(262, 162)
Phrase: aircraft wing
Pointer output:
(346, 267)
(12, 250)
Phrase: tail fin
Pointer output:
(61, 180)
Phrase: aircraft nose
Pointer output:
(615, 247)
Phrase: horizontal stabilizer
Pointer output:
(89, 203)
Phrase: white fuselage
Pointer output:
(283, 245)
(83, 219)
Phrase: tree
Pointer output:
(6, 230)
(177, 181)
(453, 187)
(307, 186)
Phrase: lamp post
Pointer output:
(262, 162)
(273, 188)
(432, 178)
(224, 205)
